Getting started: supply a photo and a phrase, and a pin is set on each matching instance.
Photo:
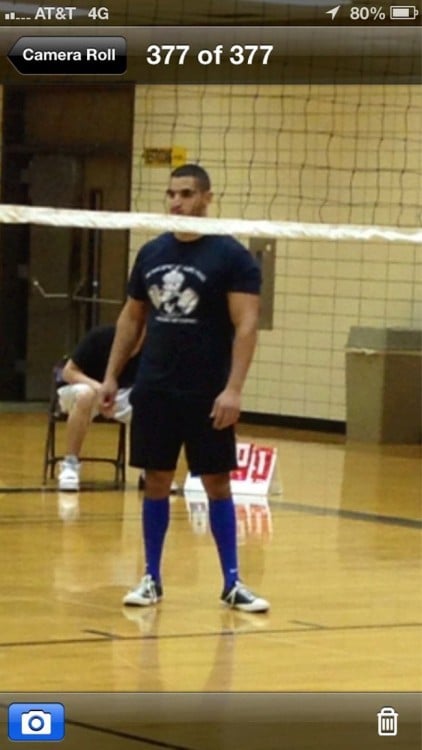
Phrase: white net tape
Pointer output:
(86, 219)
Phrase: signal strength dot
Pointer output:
(13, 17)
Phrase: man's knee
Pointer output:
(158, 483)
(217, 486)
(86, 399)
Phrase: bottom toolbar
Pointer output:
(214, 721)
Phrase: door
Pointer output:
(68, 146)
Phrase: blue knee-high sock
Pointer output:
(223, 527)
(155, 521)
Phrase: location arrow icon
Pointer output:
(333, 12)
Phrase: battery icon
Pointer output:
(403, 12)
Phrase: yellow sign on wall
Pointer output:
(178, 156)
(165, 157)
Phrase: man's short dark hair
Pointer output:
(198, 173)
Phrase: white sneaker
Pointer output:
(148, 592)
(239, 597)
(69, 476)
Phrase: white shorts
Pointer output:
(122, 410)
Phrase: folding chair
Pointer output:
(55, 415)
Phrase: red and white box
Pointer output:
(255, 473)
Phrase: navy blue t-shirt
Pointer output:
(189, 333)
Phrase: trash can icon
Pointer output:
(387, 722)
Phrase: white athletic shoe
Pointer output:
(146, 593)
(239, 597)
(69, 476)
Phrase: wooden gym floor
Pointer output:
(337, 553)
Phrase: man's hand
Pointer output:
(107, 395)
(226, 409)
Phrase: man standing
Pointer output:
(199, 299)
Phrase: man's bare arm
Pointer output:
(244, 313)
(129, 327)
(71, 374)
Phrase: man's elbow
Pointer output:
(247, 328)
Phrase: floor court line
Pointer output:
(276, 507)
(215, 634)
(350, 515)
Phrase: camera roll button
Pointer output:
(32, 722)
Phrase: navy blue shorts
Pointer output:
(163, 422)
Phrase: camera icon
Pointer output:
(36, 722)
(32, 722)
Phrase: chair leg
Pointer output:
(49, 449)
(122, 455)
(53, 449)
(50, 458)
(124, 458)
(120, 476)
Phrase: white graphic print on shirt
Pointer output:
(172, 298)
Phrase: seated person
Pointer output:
(83, 374)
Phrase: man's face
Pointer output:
(184, 197)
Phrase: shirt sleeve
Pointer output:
(136, 287)
(92, 352)
(83, 351)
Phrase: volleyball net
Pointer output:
(279, 156)
(331, 173)
(326, 154)
(157, 223)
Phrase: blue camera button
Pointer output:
(36, 722)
